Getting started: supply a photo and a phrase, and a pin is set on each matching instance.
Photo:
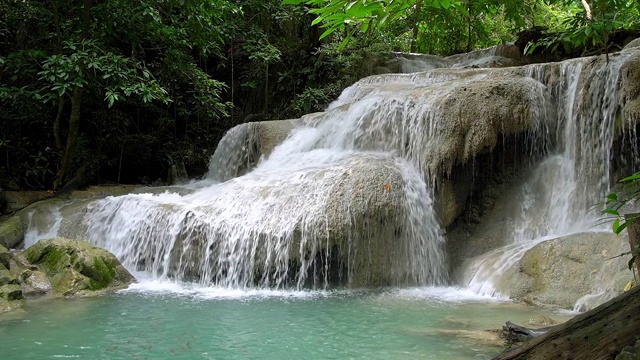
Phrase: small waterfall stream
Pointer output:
(562, 191)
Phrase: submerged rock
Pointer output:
(76, 268)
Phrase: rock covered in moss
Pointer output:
(11, 292)
(6, 277)
(11, 232)
(77, 267)
(5, 256)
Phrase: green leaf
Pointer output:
(611, 212)
(633, 177)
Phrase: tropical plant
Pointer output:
(614, 204)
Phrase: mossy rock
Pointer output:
(11, 292)
(11, 232)
(10, 305)
(6, 277)
(5, 257)
(77, 267)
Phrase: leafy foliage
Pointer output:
(614, 203)
(577, 31)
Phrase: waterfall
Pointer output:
(346, 197)
(333, 201)
(560, 194)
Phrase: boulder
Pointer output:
(78, 268)
(11, 232)
(579, 270)
(630, 88)
(11, 292)
(516, 106)
(17, 200)
(244, 145)
(34, 283)
(633, 44)
(5, 257)
(7, 278)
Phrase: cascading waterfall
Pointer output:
(283, 223)
(347, 195)
(559, 197)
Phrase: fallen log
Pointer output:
(601, 333)
(513, 333)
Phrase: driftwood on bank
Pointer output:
(513, 333)
(600, 333)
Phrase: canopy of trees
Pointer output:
(120, 90)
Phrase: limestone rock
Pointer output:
(515, 107)
(11, 232)
(567, 269)
(17, 200)
(78, 268)
(10, 305)
(633, 43)
(242, 147)
(177, 174)
(447, 204)
(11, 292)
(630, 87)
(35, 283)
(7, 278)
(5, 256)
(542, 320)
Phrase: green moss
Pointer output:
(102, 275)
(54, 258)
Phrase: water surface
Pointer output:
(168, 321)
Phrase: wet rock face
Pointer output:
(11, 232)
(75, 268)
(569, 270)
(11, 296)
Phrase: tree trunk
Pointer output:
(600, 333)
(633, 230)
(72, 138)
(56, 125)
(416, 27)
(265, 108)
(74, 120)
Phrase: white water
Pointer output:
(559, 197)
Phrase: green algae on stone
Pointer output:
(5, 257)
(6, 277)
(78, 268)
(11, 232)
(11, 292)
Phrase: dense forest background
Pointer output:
(121, 90)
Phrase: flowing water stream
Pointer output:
(253, 261)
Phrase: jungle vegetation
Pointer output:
(119, 91)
